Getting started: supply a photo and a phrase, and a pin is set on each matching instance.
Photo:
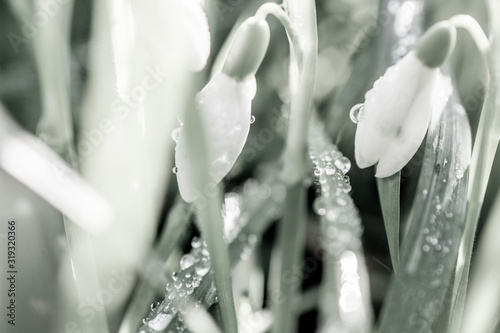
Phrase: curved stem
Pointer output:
(483, 153)
(277, 11)
(474, 29)
(291, 235)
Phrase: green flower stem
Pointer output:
(291, 240)
(483, 153)
(51, 53)
(303, 59)
(208, 204)
(278, 12)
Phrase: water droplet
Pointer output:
(144, 321)
(319, 207)
(175, 275)
(160, 322)
(343, 164)
(252, 119)
(176, 133)
(425, 248)
(178, 285)
(202, 267)
(154, 305)
(357, 113)
(175, 170)
(196, 243)
(341, 201)
(332, 215)
(168, 287)
(252, 239)
(187, 261)
(180, 119)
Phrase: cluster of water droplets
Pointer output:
(194, 266)
(341, 238)
(340, 220)
(194, 282)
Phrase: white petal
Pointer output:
(225, 109)
(386, 108)
(406, 143)
(177, 29)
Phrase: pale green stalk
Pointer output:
(51, 50)
(303, 59)
(483, 299)
(483, 153)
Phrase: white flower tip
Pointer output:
(248, 49)
(437, 44)
(360, 161)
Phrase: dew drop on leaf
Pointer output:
(187, 261)
(357, 113)
(196, 243)
(343, 164)
(202, 267)
(154, 305)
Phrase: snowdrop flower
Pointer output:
(394, 118)
(225, 106)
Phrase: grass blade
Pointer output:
(429, 250)
(341, 236)
(258, 209)
(482, 304)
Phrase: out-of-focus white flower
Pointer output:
(172, 25)
(225, 106)
(36, 166)
(394, 118)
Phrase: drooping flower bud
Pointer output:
(225, 111)
(396, 113)
(248, 49)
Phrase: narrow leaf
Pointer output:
(388, 191)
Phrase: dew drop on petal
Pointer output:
(175, 134)
(252, 119)
(180, 119)
(357, 112)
